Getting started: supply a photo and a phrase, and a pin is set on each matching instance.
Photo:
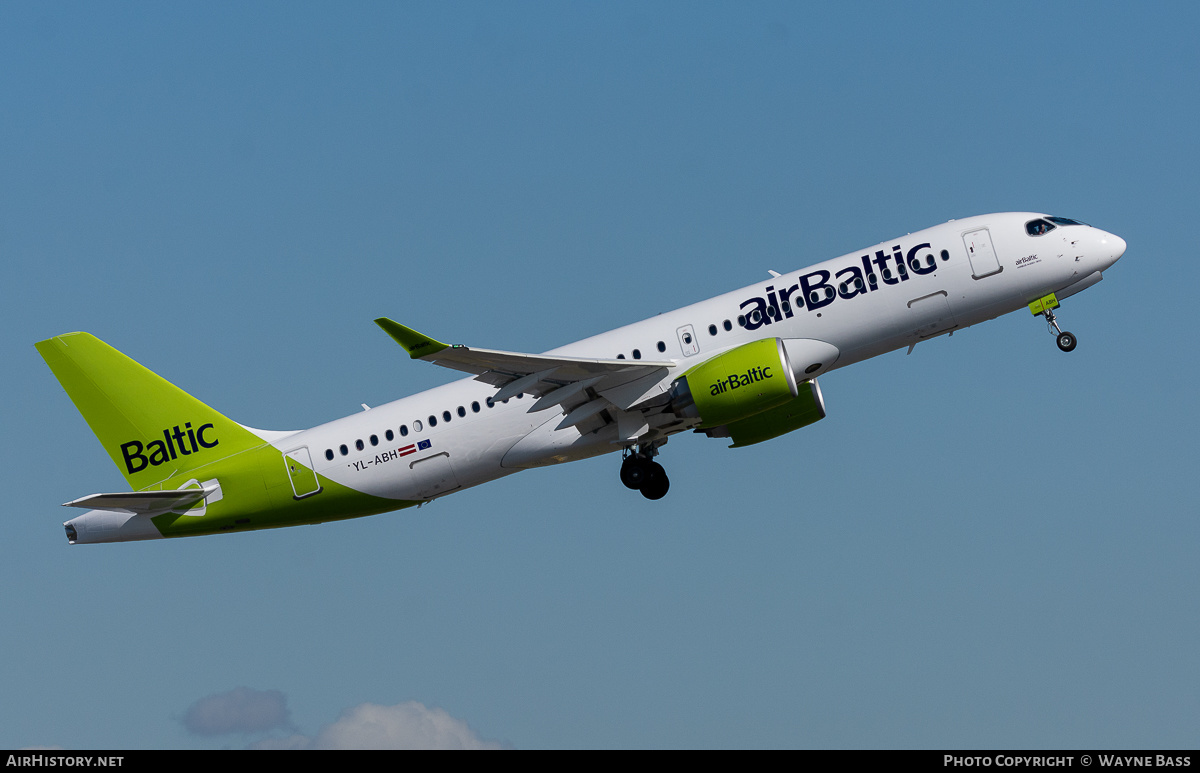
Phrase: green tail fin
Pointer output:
(151, 428)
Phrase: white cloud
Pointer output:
(241, 710)
(409, 725)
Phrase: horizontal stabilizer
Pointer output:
(144, 502)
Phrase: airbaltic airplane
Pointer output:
(741, 366)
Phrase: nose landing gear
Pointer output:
(1045, 307)
(1066, 341)
(639, 471)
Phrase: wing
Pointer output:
(591, 393)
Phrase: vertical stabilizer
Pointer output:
(151, 428)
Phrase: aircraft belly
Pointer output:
(546, 445)
(981, 300)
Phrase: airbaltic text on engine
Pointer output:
(735, 381)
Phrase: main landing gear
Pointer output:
(1066, 341)
(640, 471)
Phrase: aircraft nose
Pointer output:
(1112, 247)
(1118, 247)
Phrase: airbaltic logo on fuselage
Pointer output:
(737, 381)
(176, 442)
(819, 288)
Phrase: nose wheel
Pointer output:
(1066, 341)
(639, 471)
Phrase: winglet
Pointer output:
(416, 344)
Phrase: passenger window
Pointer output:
(662, 347)
(491, 403)
(461, 411)
(389, 435)
(329, 454)
(637, 354)
(345, 451)
(432, 422)
(712, 330)
(728, 326)
(417, 427)
(374, 440)
(475, 406)
(403, 430)
(359, 445)
(446, 416)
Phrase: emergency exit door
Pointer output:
(300, 472)
(687, 341)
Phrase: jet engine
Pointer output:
(756, 391)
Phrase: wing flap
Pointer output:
(581, 387)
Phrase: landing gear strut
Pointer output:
(1066, 341)
(640, 471)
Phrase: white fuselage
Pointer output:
(868, 302)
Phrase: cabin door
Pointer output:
(981, 253)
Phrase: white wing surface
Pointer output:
(591, 393)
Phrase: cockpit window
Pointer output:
(1038, 227)
(1064, 221)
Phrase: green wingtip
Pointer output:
(416, 344)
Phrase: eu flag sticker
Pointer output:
(423, 445)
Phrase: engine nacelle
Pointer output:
(737, 384)
(806, 408)
(756, 391)
(748, 380)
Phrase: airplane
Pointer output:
(741, 366)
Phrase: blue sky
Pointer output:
(987, 543)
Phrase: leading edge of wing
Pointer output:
(500, 368)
